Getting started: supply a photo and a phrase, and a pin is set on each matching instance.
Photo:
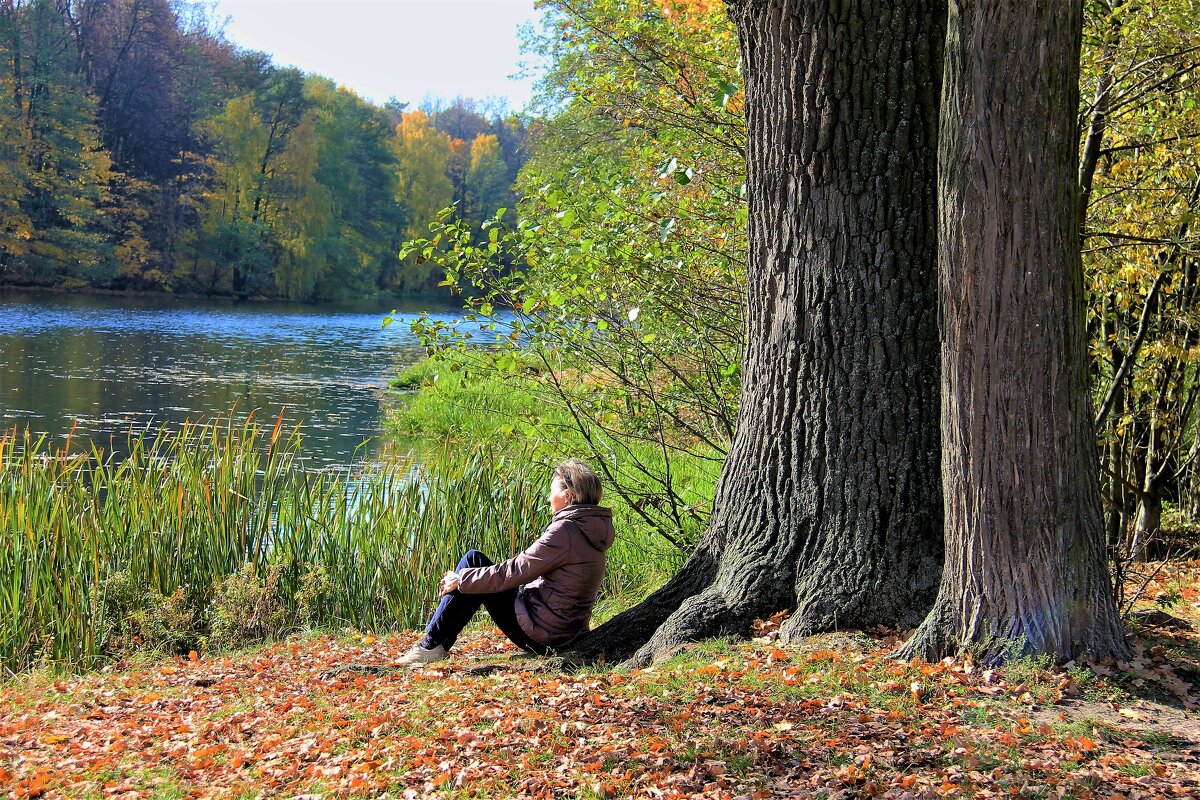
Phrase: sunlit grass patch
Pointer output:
(461, 400)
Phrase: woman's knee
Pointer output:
(474, 558)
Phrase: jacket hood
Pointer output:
(594, 521)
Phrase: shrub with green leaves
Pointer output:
(130, 616)
(616, 295)
(248, 609)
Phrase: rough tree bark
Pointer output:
(829, 499)
(1025, 561)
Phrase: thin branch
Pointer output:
(1181, 137)
(1131, 356)
(1125, 237)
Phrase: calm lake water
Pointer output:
(106, 366)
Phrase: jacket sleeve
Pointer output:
(548, 552)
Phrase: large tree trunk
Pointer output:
(829, 499)
(1025, 562)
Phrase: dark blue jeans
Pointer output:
(456, 610)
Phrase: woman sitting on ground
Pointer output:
(542, 598)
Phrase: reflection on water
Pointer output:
(106, 366)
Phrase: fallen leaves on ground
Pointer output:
(720, 720)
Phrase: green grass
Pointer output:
(100, 557)
(1135, 770)
(445, 401)
(1036, 675)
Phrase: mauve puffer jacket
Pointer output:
(557, 578)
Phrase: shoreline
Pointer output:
(146, 294)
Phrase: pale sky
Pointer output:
(405, 49)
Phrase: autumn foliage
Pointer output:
(835, 718)
(141, 150)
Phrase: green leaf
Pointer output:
(665, 229)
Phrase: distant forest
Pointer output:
(140, 150)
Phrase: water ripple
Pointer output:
(106, 366)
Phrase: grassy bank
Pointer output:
(215, 537)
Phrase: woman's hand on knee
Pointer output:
(449, 582)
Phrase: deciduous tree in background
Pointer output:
(63, 170)
(422, 187)
(231, 241)
(487, 180)
(1139, 177)
(357, 165)
(130, 50)
(306, 219)
(16, 229)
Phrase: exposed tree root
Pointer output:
(895, 604)
(700, 617)
(620, 637)
(931, 641)
(719, 610)
(943, 634)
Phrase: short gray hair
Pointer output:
(581, 479)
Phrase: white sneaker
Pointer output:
(419, 655)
